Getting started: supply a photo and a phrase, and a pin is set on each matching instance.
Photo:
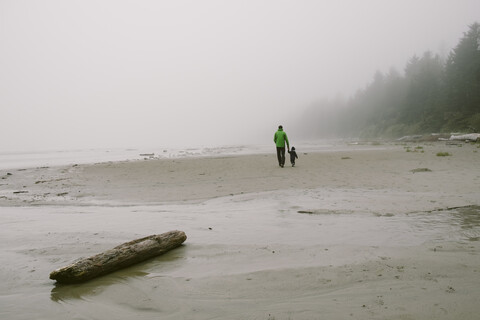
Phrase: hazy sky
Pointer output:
(115, 73)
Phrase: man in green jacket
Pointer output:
(280, 138)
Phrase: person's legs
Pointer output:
(282, 151)
(281, 156)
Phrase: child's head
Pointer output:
(293, 148)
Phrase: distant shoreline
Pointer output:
(53, 158)
(199, 178)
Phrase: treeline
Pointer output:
(433, 95)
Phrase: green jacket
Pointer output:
(280, 138)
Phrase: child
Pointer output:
(293, 155)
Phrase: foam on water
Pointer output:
(16, 160)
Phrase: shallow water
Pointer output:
(33, 159)
(226, 237)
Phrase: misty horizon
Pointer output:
(84, 74)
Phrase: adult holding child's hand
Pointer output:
(280, 138)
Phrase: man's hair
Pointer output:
(280, 127)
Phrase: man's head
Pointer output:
(280, 127)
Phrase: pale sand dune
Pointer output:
(375, 239)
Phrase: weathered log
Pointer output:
(120, 257)
(466, 137)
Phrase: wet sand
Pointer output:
(371, 232)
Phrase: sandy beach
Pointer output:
(374, 231)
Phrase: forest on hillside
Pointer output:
(433, 95)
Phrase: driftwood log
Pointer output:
(120, 257)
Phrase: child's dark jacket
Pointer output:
(293, 155)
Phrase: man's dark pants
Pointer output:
(281, 156)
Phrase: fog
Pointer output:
(116, 73)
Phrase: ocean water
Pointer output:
(29, 159)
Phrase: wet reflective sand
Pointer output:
(236, 246)
(299, 253)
